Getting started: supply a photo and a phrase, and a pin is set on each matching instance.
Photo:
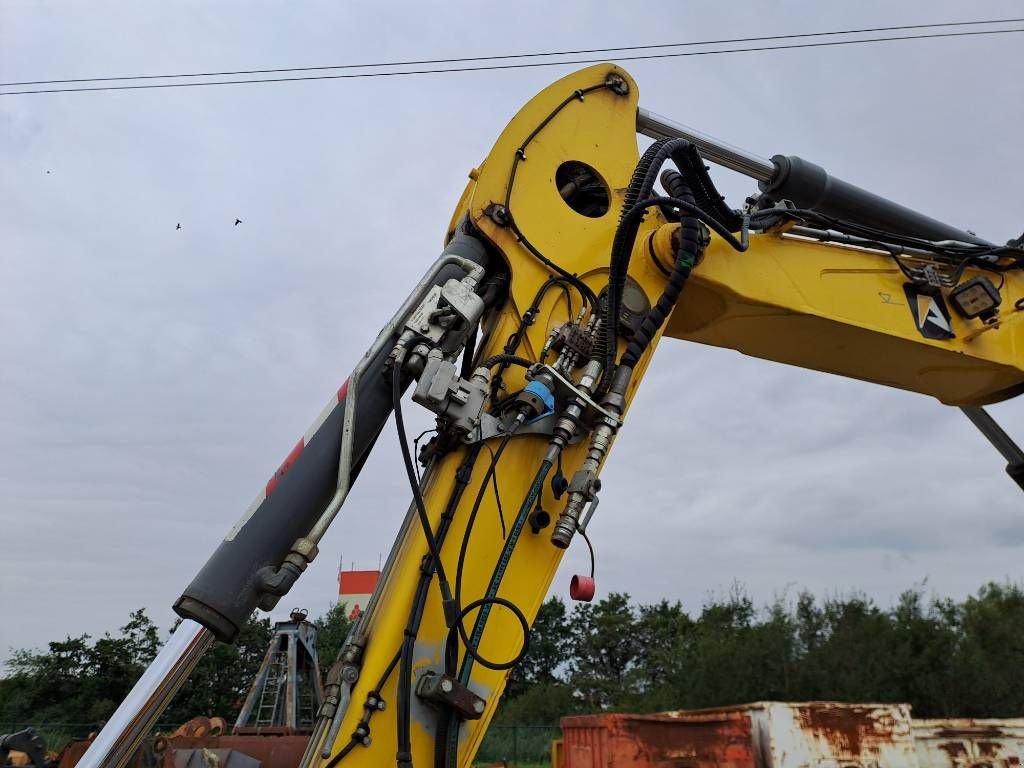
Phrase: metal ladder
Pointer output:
(270, 697)
(307, 707)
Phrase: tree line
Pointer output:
(946, 658)
(81, 681)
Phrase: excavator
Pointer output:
(569, 257)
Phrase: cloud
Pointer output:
(153, 378)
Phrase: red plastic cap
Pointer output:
(581, 588)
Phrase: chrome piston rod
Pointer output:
(657, 127)
(138, 713)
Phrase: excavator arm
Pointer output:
(528, 339)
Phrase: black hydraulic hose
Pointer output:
(462, 478)
(527, 506)
(640, 188)
(343, 752)
(404, 717)
(631, 222)
(635, 215)
(403, 757)
(417, 494)
(585, 291)
(705, 195)
(525, 509)
(441, 740)
(468, 353)
(688, 251)
(494, 360)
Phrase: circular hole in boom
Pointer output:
(582, 189)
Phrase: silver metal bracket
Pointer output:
(491, 427)
(565, 391)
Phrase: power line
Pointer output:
(403, 73)
(469, 59)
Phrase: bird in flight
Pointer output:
(237, 221)
(179, 225)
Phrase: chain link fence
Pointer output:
(518, 745)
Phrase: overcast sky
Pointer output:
(152, 379)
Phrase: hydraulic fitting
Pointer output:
(583, 489)
(585, 484)
(274, 583)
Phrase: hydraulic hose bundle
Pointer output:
(691, 199)
(691, 192)
(688, 251)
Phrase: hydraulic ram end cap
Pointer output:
(809, 180)
(222, 627)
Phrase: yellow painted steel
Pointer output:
(843, 310)
(818, 306)
(600, 130)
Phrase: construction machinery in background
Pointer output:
(287, 692)
(273, 725)
(528, 338)
(24, 747)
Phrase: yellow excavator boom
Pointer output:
(529, 339)
(829, 307)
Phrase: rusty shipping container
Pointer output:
(761, 735)
(963, 743)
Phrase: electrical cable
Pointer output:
(416, 451)
(950, 255)
(490, 68)
(529, 316)
(421, 509)
(503, 560)
(454, 613)
(525, 508)
(463, 475)
(475, 509)
(590, 547)
(520, 155)
(462, 59)
(471, 649)
(497, 493)
(355, 741)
